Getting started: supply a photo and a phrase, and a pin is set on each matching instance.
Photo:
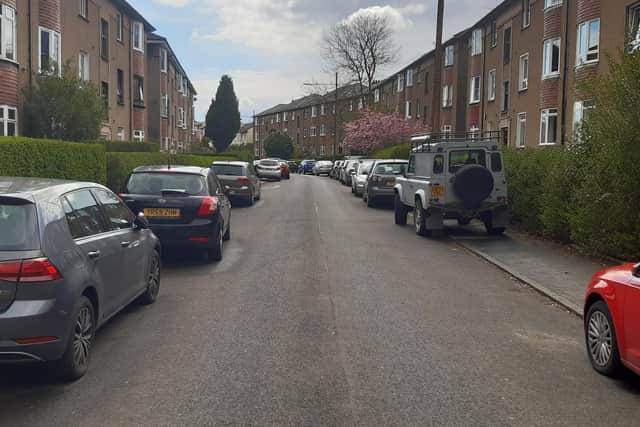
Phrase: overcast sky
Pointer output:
(271, 47)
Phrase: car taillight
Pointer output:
(29, 271)
(243, 179)
(208, 207)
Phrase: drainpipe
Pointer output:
(30, 60)
(482, 80)
(563, 126)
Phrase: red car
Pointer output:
(612, 320)
(285, 171)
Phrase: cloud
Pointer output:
(173, 3)
(398, 16)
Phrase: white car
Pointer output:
(322, 167)
(359, 178)
(269, 169)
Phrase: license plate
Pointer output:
(162, 212)
(437, 191)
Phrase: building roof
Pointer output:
(155, 38)
(130, 10)
(245, 127)
(344, 92)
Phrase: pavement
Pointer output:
(323, 312)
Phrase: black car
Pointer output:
(72, 255)
(293, 166)
(187, 207)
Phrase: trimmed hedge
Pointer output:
(119, 165)
(52, 159)
(136, 147)
(400, 151)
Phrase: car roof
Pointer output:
(36, 188)
(391, 161)
(173, 168)
(231, 162)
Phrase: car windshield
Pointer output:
(460, 158)
(18, 226)
(269, 163)
(157, 182)
(365, 168)
(390, 168)
(232, 170)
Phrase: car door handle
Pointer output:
(93, 254)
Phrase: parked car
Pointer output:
(269, 169)
(347, 171)
(306, 166)
(187, 207)
(454, 176)
(285, 172)
(240, 180)
(334, 170)
(359, 178)
(381, 180)
(293, 166)
(72, 255)
(340, 170)
(611, 319)
(322, 167)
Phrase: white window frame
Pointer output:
(4, 120)
(407, 109)
(323, 130)
(180, 83)
(579, 108)
(548, 4)
(185, 86)
(164, 60)
(410, 77)
(351, 105)
(547, 57)
(523, 74)
(376, 95)
(526, 13)
(448, 55)
(323, 110)
(138, 135)
(84, 8)
(164, 105)
(446, 129)
(521, 130)
(400, 82)
(313, 131)
(545, 116)
(447, 96)
(585, 46)
(506, 96)
(476, 42)
(119, 27)
(314, 111)
(491, 85)
(121, 134)
(53, 35)
(137, 29)
(277, 117)
(474, 90)
(83, 66)
(8, 26)
(182, 123)
(285, 117)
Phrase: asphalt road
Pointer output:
(325, 313)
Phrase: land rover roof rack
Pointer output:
(420, 140)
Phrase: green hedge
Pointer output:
(400, 151)
(52, 159)
(119, 165)
(137, 147)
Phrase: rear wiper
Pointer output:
(171, 192)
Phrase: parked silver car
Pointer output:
(241, 180)
(347, 171)
(322, 167)
(359, 178)
(382, 180)
(269, 169)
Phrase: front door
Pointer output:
(632, 320)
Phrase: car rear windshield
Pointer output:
(460, 158)
(390, 168)
(18, 226)
(157, 182)
(232, 170)
(365, 168)
(269, 163)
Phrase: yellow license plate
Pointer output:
(162, 212)
(437, 191)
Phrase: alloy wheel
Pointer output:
(600, 338)
(83, 333)
(154, 278)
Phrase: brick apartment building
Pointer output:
(104, 41)
(515, 70)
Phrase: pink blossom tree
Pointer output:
(375, 129)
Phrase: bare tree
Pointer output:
(360, 47)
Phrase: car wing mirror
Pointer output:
(636, 270)
(141, 222)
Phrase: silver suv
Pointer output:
(453, 176)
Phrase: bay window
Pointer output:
(7, 33)
(551, 58)
(8, 120)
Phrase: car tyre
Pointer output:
(400, 211)
(370, 203)
(75, 360)
(601, 340)
(215, 253)
(150, 294)
(227, 235)
(419, 218)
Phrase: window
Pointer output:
(333, 108)
(474, 132)
(323, 130)
(285, 117)
(588, 42)
(181, 118)
(491, 85)
(447, 96)
(410, 77)
(461, 158)
(526, 13)
(521, 130)
(84, 8)
(581, 111)
(121, 134)
(138, 135)
(523, 80)
(83, 214)
(418, 108)
(350, 105)
(104, 39)
(138, 36)
(104, 92)
(411, 167)
(407, 110)
(552, 3)
(400, 82)
(551, 58)
(278, 118)
(438, 164)
(494, 34)
(446, 129)
(185, 86)
(120, 88)
(376, 96)
(314, 111)
(7, 33)
(138, 95)
(476, 42)
(505, 96)
(119, 31)
(633, 26)
(49, 51)
(448, 56)
(305, 132)
(474, 94)
(8, 121)
(118, 216)
(548, 126)
(360, 104)
(163, 60)
(506, 46)
(313, 131)
(180, 83)
(322, 150)
(83, 66)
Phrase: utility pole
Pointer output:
(437, 75)
(335, 114)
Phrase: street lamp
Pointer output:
(335, 114)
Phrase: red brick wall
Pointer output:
(138, 119)
(8, 84)
(549, 93)
(137, 64)
(552, 23)
(587, 9)
(474, 115)
(50, 14)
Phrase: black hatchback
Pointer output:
(187, 207)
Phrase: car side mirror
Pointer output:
(141, 222)
(636, 270)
